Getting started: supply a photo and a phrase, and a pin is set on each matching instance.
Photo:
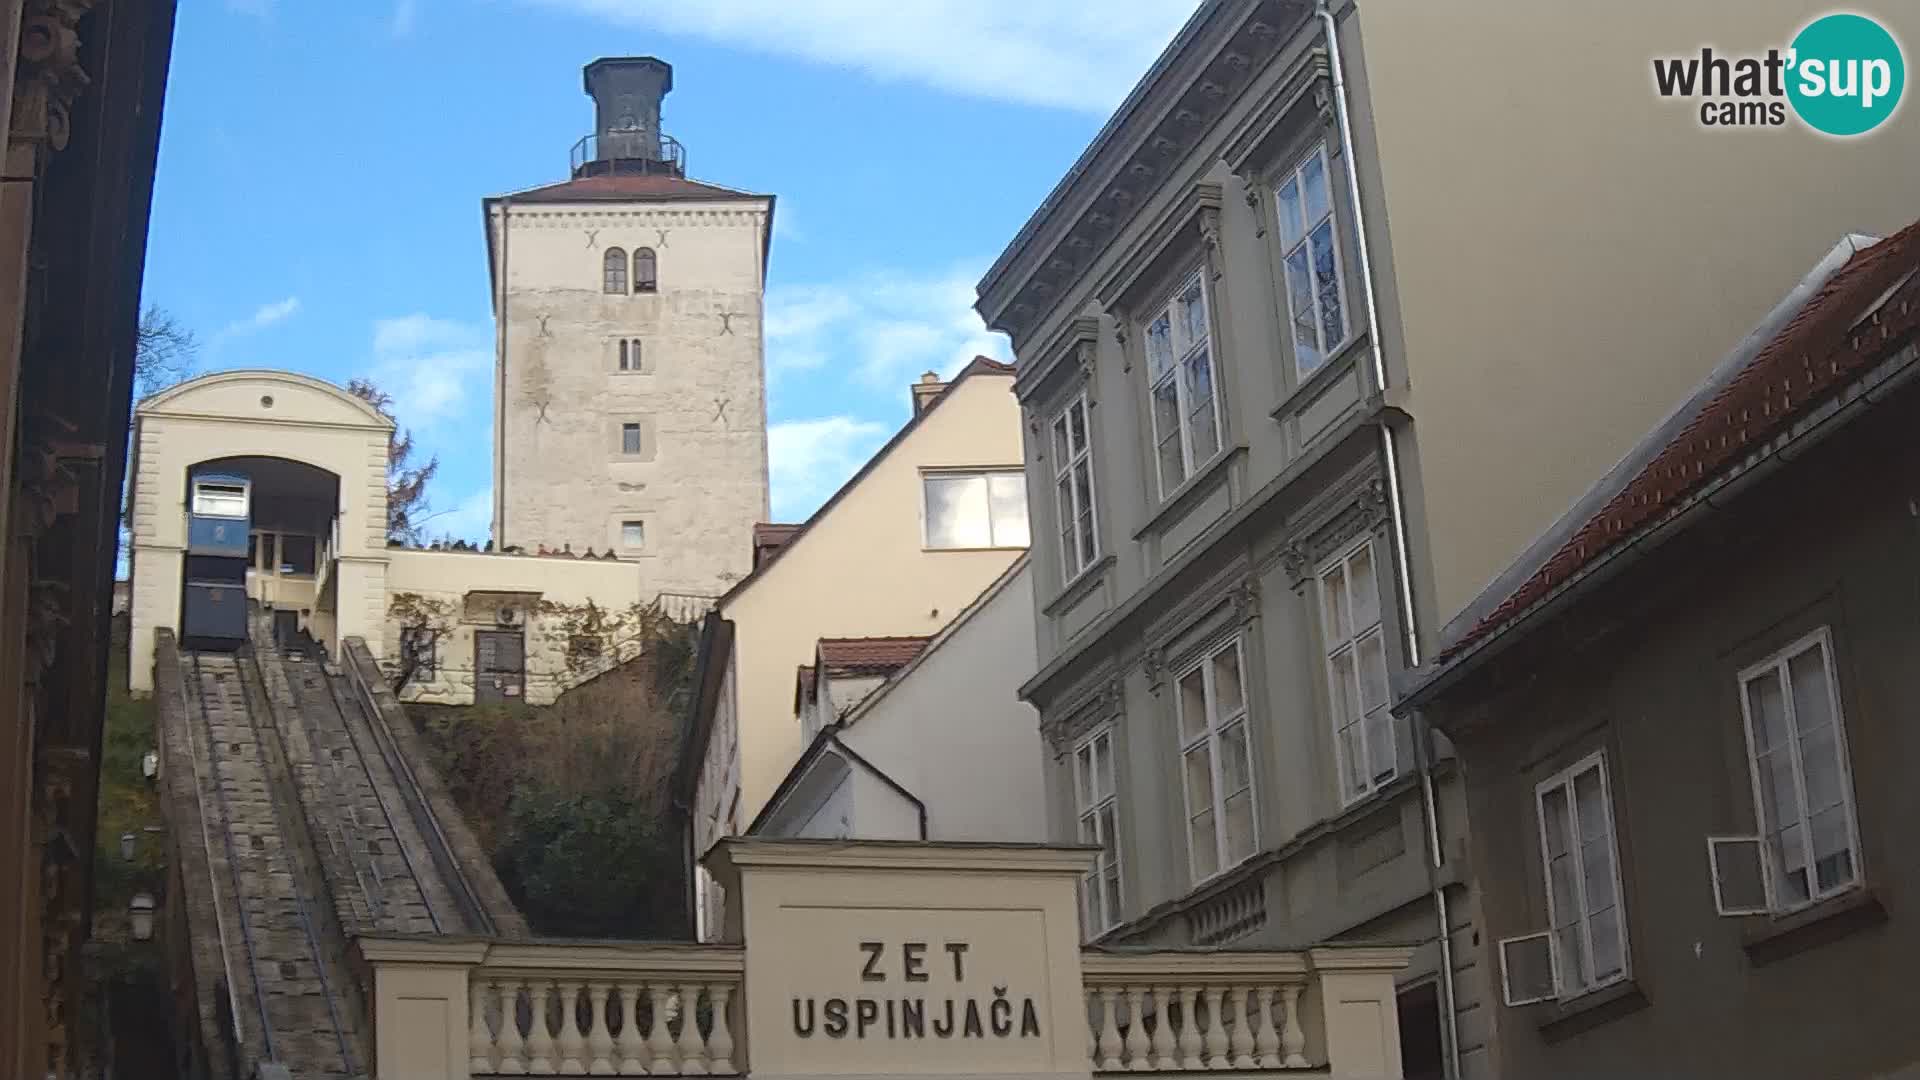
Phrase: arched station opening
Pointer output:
(292, 539)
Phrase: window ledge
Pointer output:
(1828, 920)
(1186, 494)
(1329, 372)
(954, 550)
(1082, 584)
(1568, 1018)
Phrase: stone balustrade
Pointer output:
(1186, 1010)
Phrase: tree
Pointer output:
(163, 352)
(406, 481)
(592, 863)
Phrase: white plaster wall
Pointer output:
(229, 415)
(952, 729)
(861, 570)
(447, 577)
(700, 482)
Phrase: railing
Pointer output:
(1170, 1011)
(605, 1010)
(629, 150)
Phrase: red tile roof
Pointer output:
(769, 538)
(621, 186)
(1820, 350)
(869, 655)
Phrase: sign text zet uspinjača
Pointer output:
(899, 1009)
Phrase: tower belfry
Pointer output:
(626, 93)
(630, 389)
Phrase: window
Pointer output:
(268, 551)
(1803, 791)
(629, 354)
(418, 649)
(1186, 416)
(613, 272)
(1357, 672)
(1216, 762)
(976, 510)
(1073, 489)
(633, 534)
(296, 554)
(1095, 802)
(220, 500)
(646, 273)
(1580, 861)
(630, 438)
(1310, 251)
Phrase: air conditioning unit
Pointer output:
(507, 616)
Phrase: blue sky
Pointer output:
(322, 164)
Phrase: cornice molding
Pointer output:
(49, 77)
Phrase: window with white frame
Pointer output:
(976, 509)
(1186, 408)
(1216, 761)
(1096, 804)
(1585, 945)
(1073, 489)
(1808, 847)
(629, 349)
(1356, 648)
(1310, 253)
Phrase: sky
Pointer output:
(322, 162)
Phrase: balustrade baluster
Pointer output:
(1242, 1033)
(633, 1048)
(513, 1045)
(573, 1042)
(1163, 1048)
(539, 1037)
(600, 1039)
(693, 1051)
(1093, 1027)
(1293, 1038)
(1266, 1042)
(1216, 1031)
(1189, 1027)
(659, 1043)
(720, 1042)
(479, 1037)
(1136, 1045)
(1109, 1031)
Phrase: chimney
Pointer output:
(924, 391)
(626, 92)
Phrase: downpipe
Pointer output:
(1396, 512)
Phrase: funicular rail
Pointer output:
(285, 964)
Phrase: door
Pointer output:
(499, 665)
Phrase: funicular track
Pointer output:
(298, 996)
(374, 854)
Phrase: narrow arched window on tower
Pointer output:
(646, 274)
(613, 272)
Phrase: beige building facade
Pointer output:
(913, 538)
(1311, 350)
(630, 397)
(939, 748)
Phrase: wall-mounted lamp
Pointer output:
(140, 916)
(126, 846)
(150, 764)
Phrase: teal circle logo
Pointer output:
(1847, 74)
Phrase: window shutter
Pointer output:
(1742, 881)
(1529, 969)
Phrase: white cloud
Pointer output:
(263, 316)
(405, 14)
(1068, 55)
(810, 459)
(437, 370)
(884, 329)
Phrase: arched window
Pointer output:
(613, 272)
(646, 274)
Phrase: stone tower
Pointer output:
(630, 389)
